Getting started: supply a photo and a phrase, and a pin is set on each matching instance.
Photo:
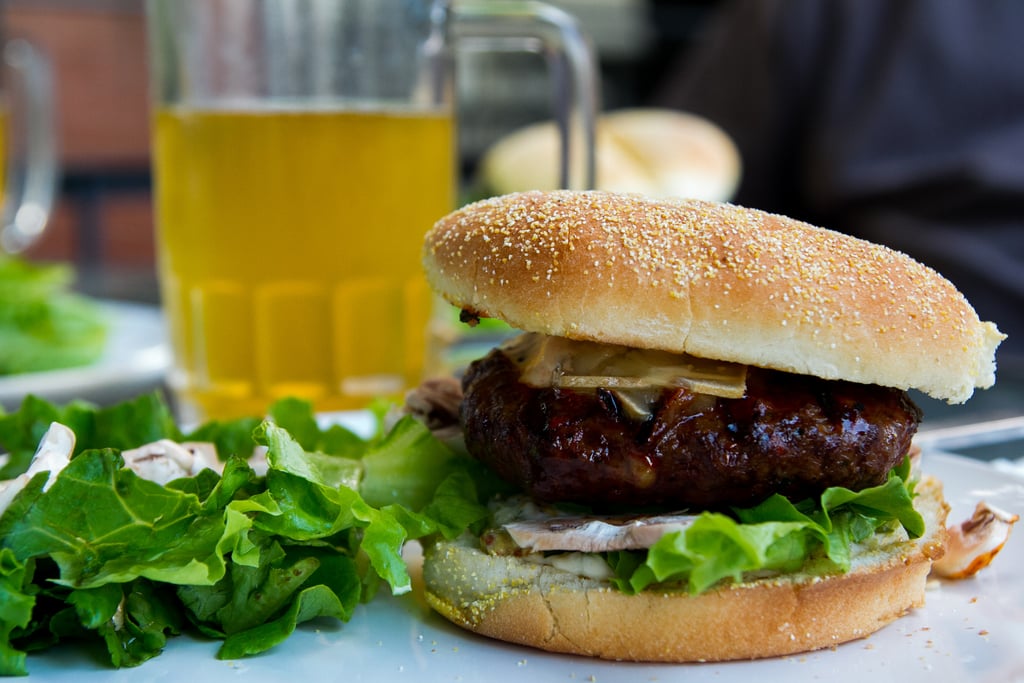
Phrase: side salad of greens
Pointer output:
(43, 324)
(107, 555)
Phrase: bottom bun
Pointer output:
(522, 602)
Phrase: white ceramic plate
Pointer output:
(135, 360)
(971, 630)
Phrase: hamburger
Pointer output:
(706, 422)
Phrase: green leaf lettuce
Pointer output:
(106, 555)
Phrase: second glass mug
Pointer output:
(28, 145)
(301, 150)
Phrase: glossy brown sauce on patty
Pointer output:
(792, 434)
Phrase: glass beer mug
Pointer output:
(28, 145)
(302, 148)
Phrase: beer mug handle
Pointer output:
(538, 27)
(32, 169)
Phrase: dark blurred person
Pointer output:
(900, 121)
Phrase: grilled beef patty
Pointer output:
(792, 434)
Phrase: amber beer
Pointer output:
(289, 246)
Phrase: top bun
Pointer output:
(713, 280)
(657, 152)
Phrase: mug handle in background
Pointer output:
(32, 167)
(538, 27)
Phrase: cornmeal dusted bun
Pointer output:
(658, 152)
(510, 599)
(712, 280)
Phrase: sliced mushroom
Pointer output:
(52, 455)
(594, 534)
(971, 545)
(436, 403)
(165, 460)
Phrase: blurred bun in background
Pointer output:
(657, 152)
